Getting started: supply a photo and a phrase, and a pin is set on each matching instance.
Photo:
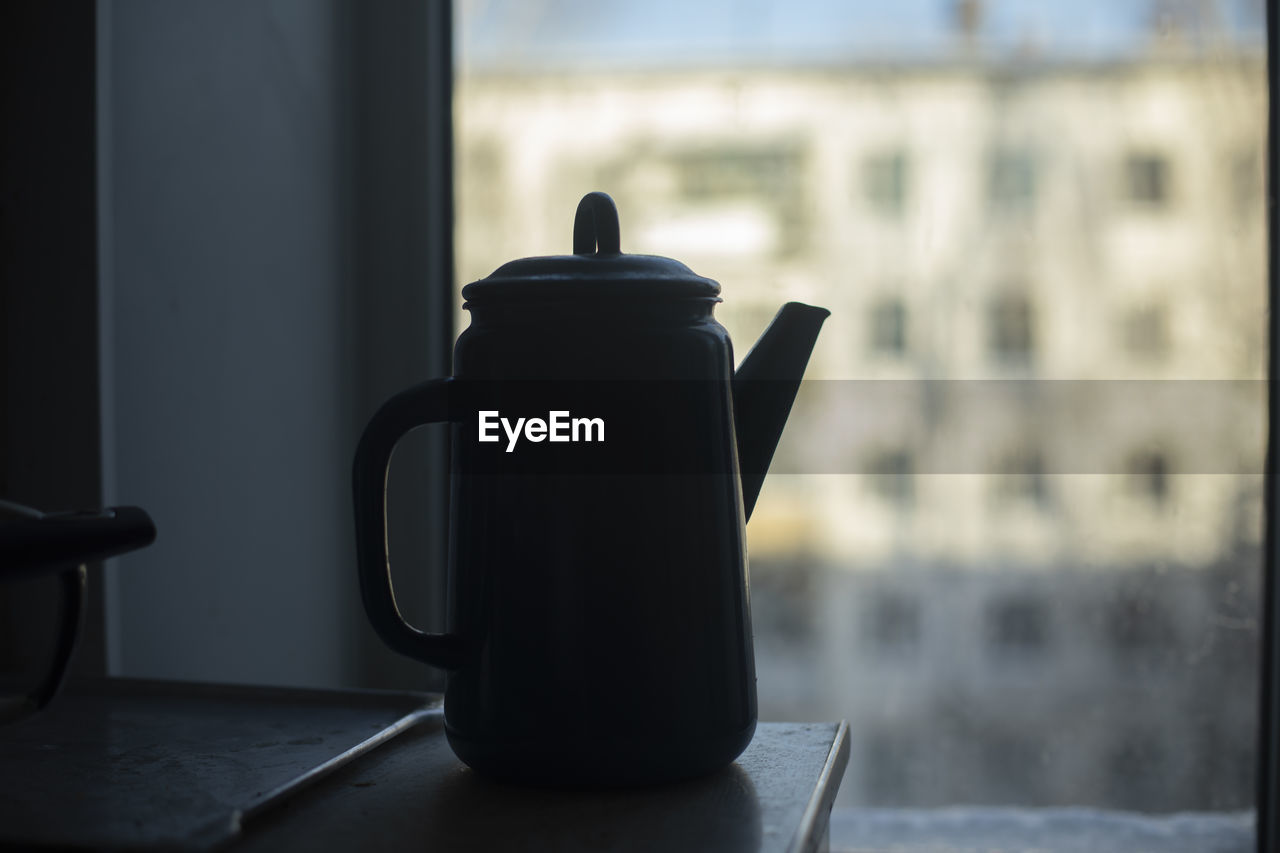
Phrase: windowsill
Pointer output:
(1049, 830)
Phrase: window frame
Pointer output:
(1268, 771)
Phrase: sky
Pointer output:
(663, 32)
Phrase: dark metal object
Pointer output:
(33, 543)
(148, 764)
(36, 543)
(73, 586)
(601, 630)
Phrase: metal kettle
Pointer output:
(605, 455)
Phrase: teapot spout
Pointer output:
(765, 386)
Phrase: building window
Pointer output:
(1139, 626)
(767, 173)
(1247, 181)
(885, 183)
(1146, 332)
(1020, 479)
(1146, 179)
(783, 608)
(891, 475)
(1148, 473)
(754, 194)
(893, 624)
(1017, 625)
(1012, 336)
(480, 168)
(889, 327)
(1011, 181)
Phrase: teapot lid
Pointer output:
(597, 268)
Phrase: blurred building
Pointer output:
(1030, 576)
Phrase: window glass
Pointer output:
(1147, 179)
(884, 182)
(1020, 478)
(1011, 186)
(1246, 181)
(1012, 331)
(1017, 625)
(1149, 476)
(889, 327)
(1013, 531)
(891, 476)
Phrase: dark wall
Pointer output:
(49, 421)
(277, 266)
(230, 352)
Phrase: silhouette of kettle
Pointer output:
(605, 456)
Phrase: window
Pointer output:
(727, 172)
(1012, 333)
(482, 162)
(1011, 181)
(885, 183)
(1020, 479)
(893, 624)
(926, 165)
(891, 476)
(1017, 625)
(889, 327)
(726, 194)
(784, 608)
(1246, 181)
(1149, 476)
(1146, 179)
(1139, 627)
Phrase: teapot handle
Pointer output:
(422, 404)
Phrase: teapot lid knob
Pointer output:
(597, 269)
(595, 226)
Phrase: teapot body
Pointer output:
(599, 586)
(604, 458)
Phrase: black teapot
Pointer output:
(605, 456)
